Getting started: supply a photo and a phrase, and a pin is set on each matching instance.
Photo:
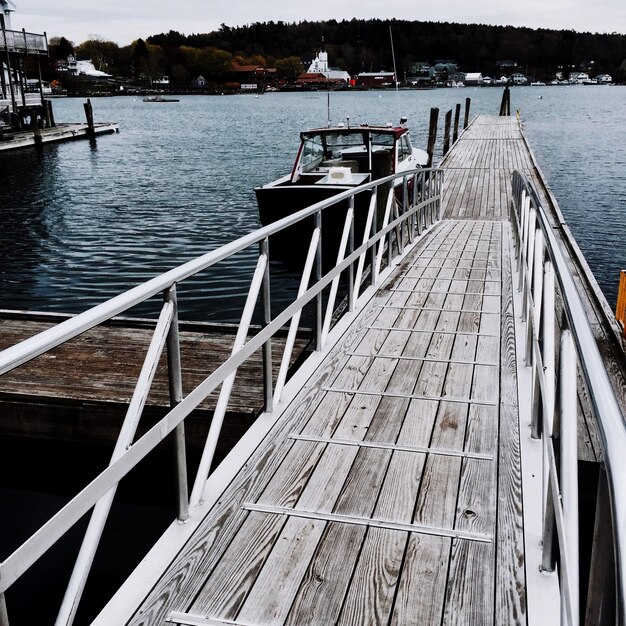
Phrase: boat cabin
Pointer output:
(353, 155)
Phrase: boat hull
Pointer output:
(277, 202)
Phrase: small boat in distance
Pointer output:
(331, 160)
(160, 99)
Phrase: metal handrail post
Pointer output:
(317, 276)
(266, 304)
(175, 383)
(295, 320)
(227, 386)
(538, 280)
(568, 424)
(548, 344)
(367, 232)
(101, 510)
(4, 615)
(351, 268)
(341, 254)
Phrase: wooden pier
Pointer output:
(389, 489)
(55, 134)
(80, 391)
(402, 475)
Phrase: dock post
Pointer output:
(457, 115)
(175, 381)
(467, 111)
(620, 309)
(50, 114)
(89, 116)
(432, 135)
(446, 132)
(505, 105)
(34, 125)
(267, 318)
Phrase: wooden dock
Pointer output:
(80, 391)
(407, 473)
(389, 489)
(55, 134)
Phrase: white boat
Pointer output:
(332, 160)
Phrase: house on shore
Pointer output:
(376, 79)
(473, 79)
(20, 107)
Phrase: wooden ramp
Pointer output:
(389, 492)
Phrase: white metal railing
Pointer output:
(21, 42)
(568, 340)
(413, 203)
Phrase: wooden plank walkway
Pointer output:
(80, 391)
(389, 490)
(56, 134)
(379, 495)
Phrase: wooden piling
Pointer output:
(36, 128)
(89, 116)
(432, 134)
(446, 132)
(50, 114)
(457, 115)
(505, 105)
(620, 310)
(467, 110)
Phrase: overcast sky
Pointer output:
(123, 21)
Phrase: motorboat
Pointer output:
(334, 159)
(160, 99)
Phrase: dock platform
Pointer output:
(56, 134)
(390, 489)
(403, 477)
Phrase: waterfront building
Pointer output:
(319, 65)
(376, 79)
(19, 107)
(518, 79)
(473, 78)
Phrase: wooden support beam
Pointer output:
(467, 111)
(620, 310)
(432, 134)
(446, 133)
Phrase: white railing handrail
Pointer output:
(612, 424)
(427, 212)
(30, 348)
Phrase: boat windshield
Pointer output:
(326, 146)
(382, 141)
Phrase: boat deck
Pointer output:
(389, 491)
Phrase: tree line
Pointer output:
(353, 45)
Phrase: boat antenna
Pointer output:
(395, 71)
(328, 102)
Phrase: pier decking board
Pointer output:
(389, 490)
(89, 381)
(315, 552)
(56, 134)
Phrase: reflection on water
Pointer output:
(86, 221)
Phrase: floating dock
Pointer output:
(81, 390)
(55, 134)
(402, 475)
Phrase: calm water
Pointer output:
(87, 221)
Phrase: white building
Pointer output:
(519, 79)
(6, 8)
(473, 78)
(604, 79)
(319, 65)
